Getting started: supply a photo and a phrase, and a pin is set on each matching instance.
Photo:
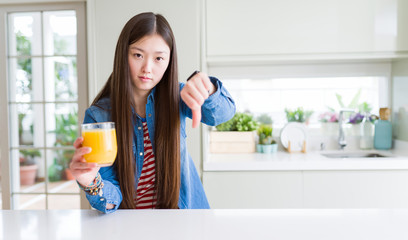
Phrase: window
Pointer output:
(46, 85)
(318, 95)
(320, 88)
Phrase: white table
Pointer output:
(280, 224)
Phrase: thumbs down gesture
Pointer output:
(197, 89)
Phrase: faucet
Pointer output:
(342, 141)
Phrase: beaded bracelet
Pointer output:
(96, 186)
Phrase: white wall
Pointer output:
(400, 99)
(105, 21)
(109, 18)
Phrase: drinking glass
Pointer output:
(101, 137)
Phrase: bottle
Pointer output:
(383, 130)
(366, 133)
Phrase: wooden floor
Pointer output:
(62, 195)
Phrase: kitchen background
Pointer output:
(272, 56)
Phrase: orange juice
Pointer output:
(103, 144)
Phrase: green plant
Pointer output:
(55, 172)
(240, 122)
(354, 102)
(297, 115)
(66, 131)
(226, 126)
(265, 134)
(24, 81)
(24, 48)
(264, 119)
(364, 107)
(29, 156)
(21, 117)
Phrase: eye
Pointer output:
(137, 55)
(159, 59)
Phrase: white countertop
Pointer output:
(283, 224)
(284, 161)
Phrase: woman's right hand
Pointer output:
(83, 171)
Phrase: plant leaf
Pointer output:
(339, 100)
(354, 101)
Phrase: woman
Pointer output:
(142, 96)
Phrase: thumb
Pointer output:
(196, 118)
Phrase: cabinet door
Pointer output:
(356, 189)
(253, 189)
(262, 27)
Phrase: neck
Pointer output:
(140, 98)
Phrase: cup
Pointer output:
(101, 137)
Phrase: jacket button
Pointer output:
(140, 153)
(139, 128)
(150, 115)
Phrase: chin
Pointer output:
(145, 87)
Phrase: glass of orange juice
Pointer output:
(101, 137)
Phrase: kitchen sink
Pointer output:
(354, 155)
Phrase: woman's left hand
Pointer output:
(197, 89)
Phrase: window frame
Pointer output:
(82, 78)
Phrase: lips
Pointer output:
(144, 78)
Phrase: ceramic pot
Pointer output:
(28, 174)
(269, 148)
(68, 174)
(259, 148)
(330, 128)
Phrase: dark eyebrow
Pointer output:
(139, 49)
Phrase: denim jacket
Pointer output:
(218, 108)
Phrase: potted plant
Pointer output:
(355, 119)
(28, 166)
(298, 115)
(234, 136)
(266, 143)
(329, 122)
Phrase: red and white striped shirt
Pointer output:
(145, 194)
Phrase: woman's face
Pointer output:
(148, 60)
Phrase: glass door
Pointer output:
(45, 93)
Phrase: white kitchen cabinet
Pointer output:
(263, 28)
(281, 189)
(356, 189)
(307, 189)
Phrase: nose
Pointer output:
(147, 66)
